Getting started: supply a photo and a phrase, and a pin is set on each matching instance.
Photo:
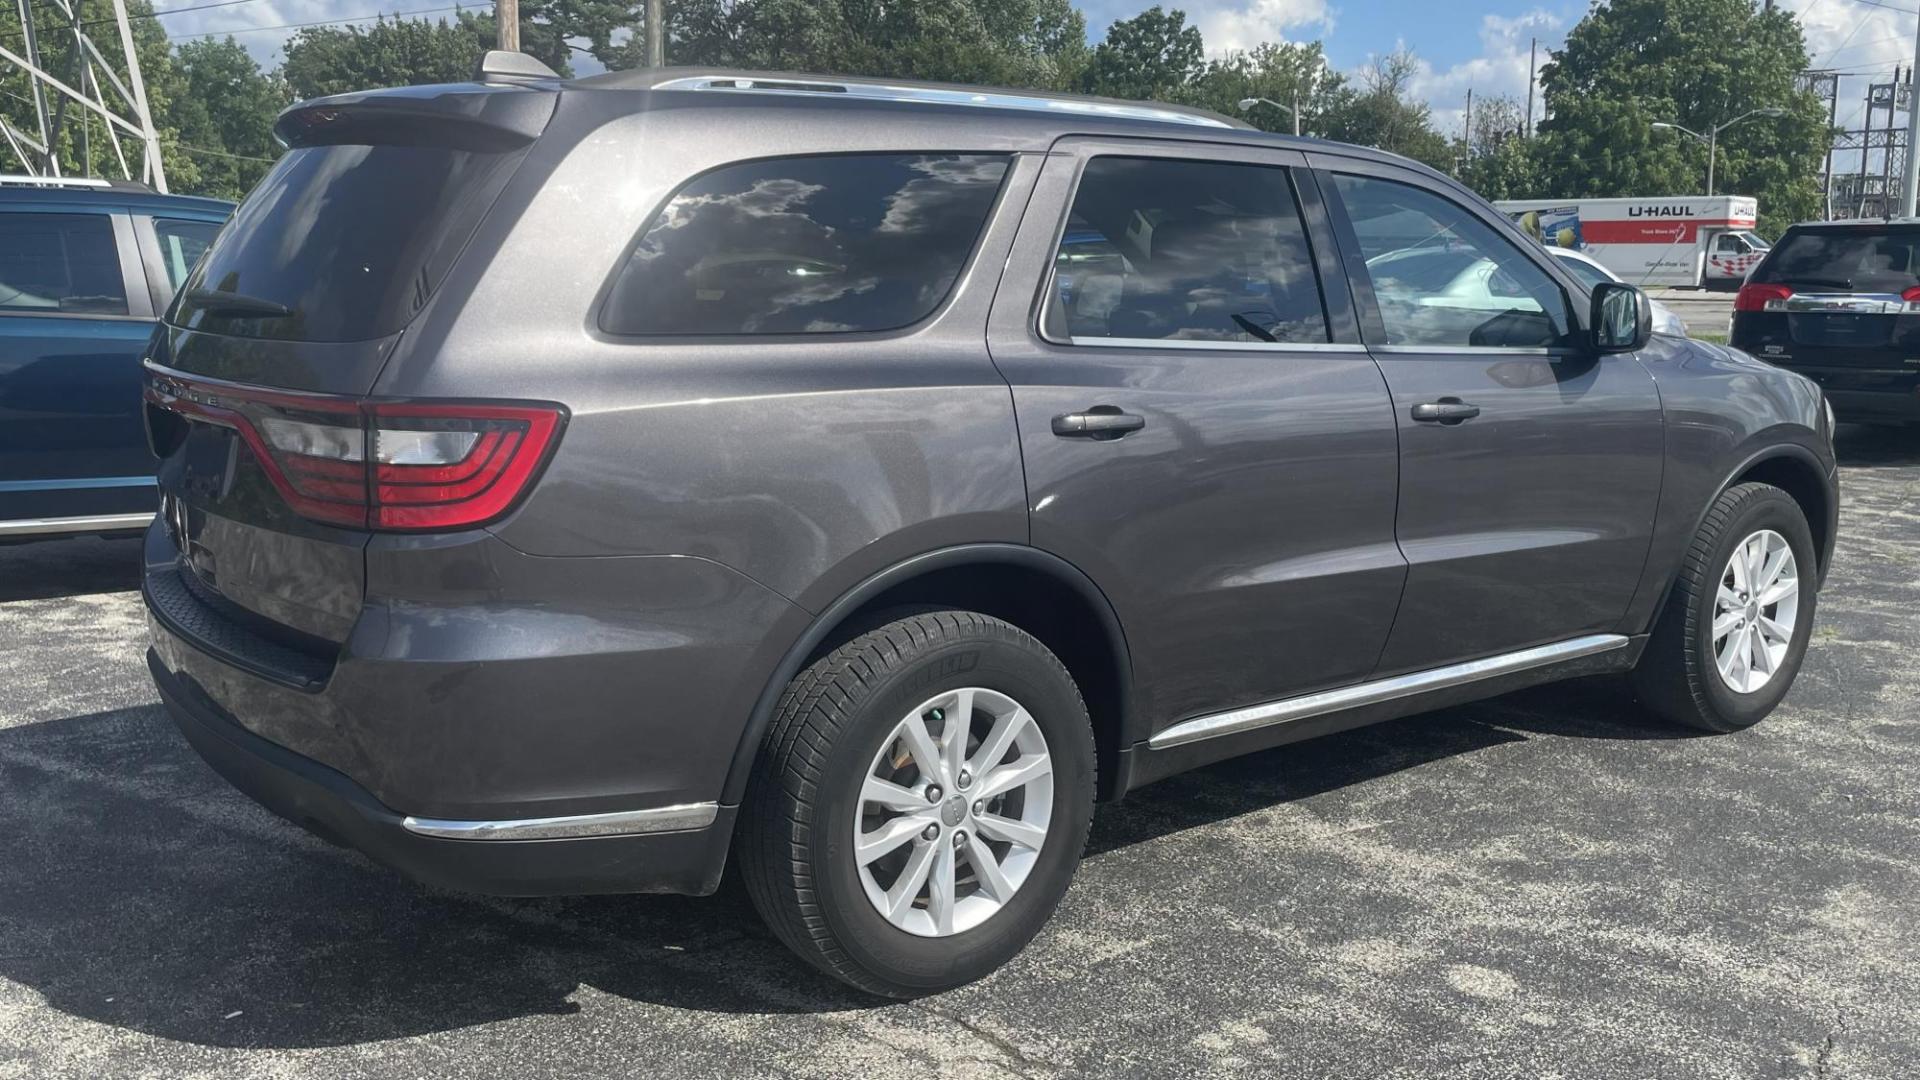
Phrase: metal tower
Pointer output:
(125, 115)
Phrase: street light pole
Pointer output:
(1712, 137)
(1247, 104)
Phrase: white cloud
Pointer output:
(1235, 28)
(1500, 69)
(1865, 42)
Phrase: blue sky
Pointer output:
(1482, 45)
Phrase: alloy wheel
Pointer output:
(1755, 610)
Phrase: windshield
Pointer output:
(342, 242)
(1877, 260)
(1588, 273)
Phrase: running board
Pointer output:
(1290, 710)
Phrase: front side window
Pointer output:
(181, 245)
(60, 264)
(1442, 277)
(1157, 248)
(852, 242)
(1729, 244)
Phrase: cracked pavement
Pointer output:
(1547, 884)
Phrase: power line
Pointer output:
(335, 22)
(1887, 6)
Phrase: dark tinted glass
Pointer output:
(1443, 277)
(181, 245)
(1842, 260)
(806, 245)
(55, 263)
(1186, 250)
(351, 240)
(1585, 271)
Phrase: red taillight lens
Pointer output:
(1911, 296)
(1762, 298)
(391, 466)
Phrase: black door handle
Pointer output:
(1099, 422)
(1448, 410)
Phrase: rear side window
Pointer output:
(181, 245)
(1162, 249)
(1845, 260)
(342, 242)
(60, 263)
(855, 242)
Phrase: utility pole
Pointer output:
(1533, 52)
(656, 33)
(506, 24)
(1467, 136)
(1910, 174)
(1296, 108)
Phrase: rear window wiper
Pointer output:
(218, 302)
(1823, 282)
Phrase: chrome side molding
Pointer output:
(657, 819)
(1288, 710)
(61, 526)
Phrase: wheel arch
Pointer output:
(1035, 590)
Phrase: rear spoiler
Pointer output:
(460, 116)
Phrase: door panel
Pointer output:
(71, 339)
(1529, 469)
(1244, 530)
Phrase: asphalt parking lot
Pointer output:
(1546, 885)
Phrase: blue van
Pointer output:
(86, 269)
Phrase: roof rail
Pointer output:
(55, 181)
(936, 95)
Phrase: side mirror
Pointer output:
(1621, 318)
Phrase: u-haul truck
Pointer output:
(1688, 241)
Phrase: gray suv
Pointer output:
(569, 484)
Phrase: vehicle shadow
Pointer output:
(47, 569)
(140, 891)
(1876, 444)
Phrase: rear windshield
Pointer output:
(342, 242)
(1850, 260)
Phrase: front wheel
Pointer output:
(1735, 630)
(920, 804)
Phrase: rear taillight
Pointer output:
(385, 465)
(1762, 298)
(1912, 299)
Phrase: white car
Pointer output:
(1589, 270)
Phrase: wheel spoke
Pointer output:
(1770, 573)
(995, 827)
(1756, 558)
(892, 796)
(959, 724)
(1738, 567)
(1728, 599)
(1772, 630)
(994, 747)
(1018, 773)
(1725, 624)
(940, 888)
(987, 869)
(906, 888)
(897, 831)
(926, 755)
(1762, 659)
(1779, 590)
(1737, 666)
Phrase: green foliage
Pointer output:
(225, 115)
(324, 60)
(1155, 54)
(1498, 161)
(1382, 112)
(1697, 63)
(1286, 72)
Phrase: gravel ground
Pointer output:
(1545, 885)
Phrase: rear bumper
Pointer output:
(329, 804)
(1875, 404)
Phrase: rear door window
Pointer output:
(1845, 260)
(1164, 249)
(60, 264)
(853, 242)
(182, 243)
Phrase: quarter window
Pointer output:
(807, 245)
(60, 263)
(181, 245)
(1185, 250)
(1442, 277)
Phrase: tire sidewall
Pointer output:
(1768, 510)
(1031, 678)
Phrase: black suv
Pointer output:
(569, 485)
(1840, 302)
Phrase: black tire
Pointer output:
(795, 840)
(1676, 675)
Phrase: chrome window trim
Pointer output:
(61, 526)
(1215, 346)
(1288, 710)
(1547, 352)
(659, 819)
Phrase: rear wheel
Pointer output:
(921, 803)
(1735, 629)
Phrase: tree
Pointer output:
(1384, 113)
(1153, 55)
(1697, 63)
(225, 115)
(1287, 72)
(1496, 159)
